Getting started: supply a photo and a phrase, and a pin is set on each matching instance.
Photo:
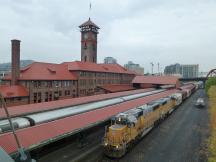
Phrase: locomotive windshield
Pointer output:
(124, 119)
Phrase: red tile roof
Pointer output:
(164, 80)
(89, 66)
(64, 71)
(13, 91)
(117, 87)
(49, 132)
(44, 106)
(45, 71)
(90, 23)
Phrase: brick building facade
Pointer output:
(45, 82)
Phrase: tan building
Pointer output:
(134, 67)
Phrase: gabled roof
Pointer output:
(89, 66)
(13, 91)
(90, 23)
(163, 80)
(65, 71)
(117, 87)
(45, 71)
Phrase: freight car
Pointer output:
(128, 127)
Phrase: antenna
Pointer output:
(90, 6)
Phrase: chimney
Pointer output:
(15, 62)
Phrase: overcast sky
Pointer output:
(143, 31)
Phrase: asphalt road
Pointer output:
(180, 138)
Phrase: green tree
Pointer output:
(210, 82)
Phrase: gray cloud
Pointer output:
(139, 30)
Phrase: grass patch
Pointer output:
(212, 112)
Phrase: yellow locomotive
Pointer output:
(130, 126)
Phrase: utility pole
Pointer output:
(158, 68)
(152, 67)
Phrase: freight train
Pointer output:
(129, 127)
(43, 117)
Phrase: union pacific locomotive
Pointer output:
(130, 126)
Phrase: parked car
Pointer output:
(200, 102)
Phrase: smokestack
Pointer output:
(15, 62)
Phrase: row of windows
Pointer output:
(92, 82)
(87, 91)
(111, 75)
(39, 84)
(49, 96)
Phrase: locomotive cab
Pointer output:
(116, 137)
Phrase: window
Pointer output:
(46, 96)
(39, 84)
(45, 84)
(85, 58)
(35, 84)
(60, 93)
(39, 97)
(50, 97)
(56, 83)
(35, 97)
(85, 45)
(49, 84)
(67, 92)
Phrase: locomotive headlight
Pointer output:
(117, 146)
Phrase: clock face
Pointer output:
(86, 35)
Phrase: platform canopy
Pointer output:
(157, 80)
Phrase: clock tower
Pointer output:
(89, 32)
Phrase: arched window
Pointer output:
(85, 45)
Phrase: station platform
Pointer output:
(46, 106)
(42, 134)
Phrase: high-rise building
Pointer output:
(110, 60)
(184, 71)
(174, 69)
(134, 67)
(190, 71)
